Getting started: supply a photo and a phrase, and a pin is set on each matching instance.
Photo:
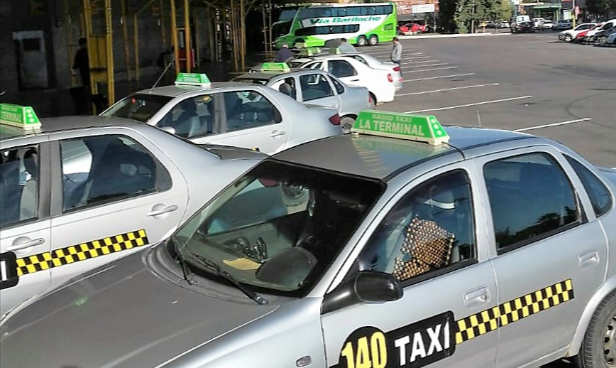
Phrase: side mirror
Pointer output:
(365, 287)
(168, 129)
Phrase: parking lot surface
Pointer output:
(520, 81)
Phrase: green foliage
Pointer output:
(447, 10)
(601, 7)
(506, 10)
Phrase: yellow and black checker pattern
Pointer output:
(512, 311)
(81, 252)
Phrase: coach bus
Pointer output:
(360, 24)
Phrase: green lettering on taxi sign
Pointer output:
(425, 128)
(19, 116)
(197, 79)
(275, 67)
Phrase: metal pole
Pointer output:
(136, 46)
(125, 39)
(162, 24)
(174, 37)
(109, 54)
(187, 35)
(87, 18)
(69, 39)
(197, 40)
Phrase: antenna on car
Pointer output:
(161, 76)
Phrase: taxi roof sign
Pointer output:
(193, 79)
(309, 51)
(275, 67)
(425, 128)
(19, 116)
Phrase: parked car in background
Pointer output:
(503, 24)
(412, 28)
(611, 40)
(571, 34)
(599, 30)
(563, 24)
(548, 24)
(601, 37)
(579, 38)
(538, 23)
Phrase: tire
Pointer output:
(602, 40)
(346, 123)
(373, 101)
(361, 41)
(373, 40)
(568, 38)
(599, 345)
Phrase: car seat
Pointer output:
(10, 191)
(188, 123)
(286, 89)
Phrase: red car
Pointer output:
(579, 38)
(412, 28)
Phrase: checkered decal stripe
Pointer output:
(512, 311)
(81, 252)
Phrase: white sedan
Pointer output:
(231, 114)
(381, 79)
(570, 34)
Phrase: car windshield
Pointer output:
(279, 227)
(139, 107)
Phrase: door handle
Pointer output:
(477, 297)
(157, 210)
(24, 242)
(277, 133)
(589, 259)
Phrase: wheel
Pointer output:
(568, 38)
(361, 41)
(373, 40)
(598, 349)
(347, 123)
(372, 101)
(602, 40)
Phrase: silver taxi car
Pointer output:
(78, 192)
(466, 248)
(231, 114)
(314, 87)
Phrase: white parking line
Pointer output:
(552, 125)
(471, 104)
(448, 89)
(424, 65)
(430, 69)
(420, 62)
(438, 77)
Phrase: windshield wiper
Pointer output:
(185, 271)
(249, 292)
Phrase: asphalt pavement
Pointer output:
(566, 92)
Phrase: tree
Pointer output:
(447, 10)
(505, 10)
(601, 7)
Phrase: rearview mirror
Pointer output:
(365, 287)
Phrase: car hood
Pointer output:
(123, 315)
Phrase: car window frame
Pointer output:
(612, 203)
(44, 183)
(559, 164)
(163, 180)
(223, 110)
(355, 71)
(321, 77)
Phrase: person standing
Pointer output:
(284, 54)
(81, 63)
(345, 47)
(396, 53)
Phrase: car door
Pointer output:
(430, 239)
(252, 120)
(114, 193)
(24, 221)
(550, 258)
(195, 118)
(316, 89)
(346, 72)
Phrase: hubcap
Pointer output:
(609, 343)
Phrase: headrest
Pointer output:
(30, 161)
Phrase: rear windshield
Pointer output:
(139, 107)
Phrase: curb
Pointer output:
(452, 36)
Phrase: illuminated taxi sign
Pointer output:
(19, 116)
(423, 128)
(334, 50)
(309, 51)
(193, 79)
(275, 67)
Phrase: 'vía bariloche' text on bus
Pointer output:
(338, 20)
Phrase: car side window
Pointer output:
(530, 197)
(430, 229)
(102, 169)
(316, 65)
(286, 86)
(338, 85)
(192, 117)
(341, 68)
(19, 185)
(314, 86)
(599, 195)
(248, 109)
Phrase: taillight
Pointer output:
(335, 119)
(397, 69)
(389, 78)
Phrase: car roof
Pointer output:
(382, 157)
(270, 75)
(64, 123)
(175, 90)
